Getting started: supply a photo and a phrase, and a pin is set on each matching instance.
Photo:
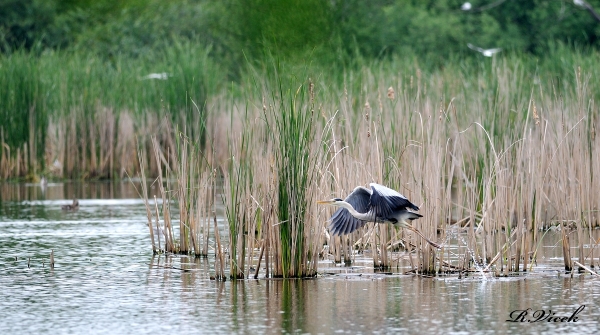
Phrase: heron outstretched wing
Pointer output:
(384, 201)
(342, 222)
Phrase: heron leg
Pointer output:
(435, 245)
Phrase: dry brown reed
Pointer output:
(170, 245)
(490, 166)
(144, 196)
(466, 164)
(101, 145)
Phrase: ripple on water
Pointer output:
(106, 282)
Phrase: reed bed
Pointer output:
(492, 167)
(493, 153)
(72, 115)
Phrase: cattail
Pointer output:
(367, 112)
(391, 94)
(536, 117)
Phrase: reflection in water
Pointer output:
(374, 303)
(395, 304)
(107, 281)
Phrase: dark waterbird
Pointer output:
(377, 204)
(71, 207)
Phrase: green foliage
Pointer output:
(23, 110)
(75, 54)
(331, 31)
(56, 84)
(138, 30)
(24, 22)
(289, 26)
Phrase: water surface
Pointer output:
(106, 281)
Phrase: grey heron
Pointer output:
(377, 204)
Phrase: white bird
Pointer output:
(485, 52)
(582, 3)
(56, 164)
(466, 6)
(159, 76)
(377, 204)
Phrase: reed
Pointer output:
(291, 125)
(81, 111)
(144, 196)
(237, 177)
(194, 195)
(492, 154)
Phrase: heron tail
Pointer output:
(411, 216)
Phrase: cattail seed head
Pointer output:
(536, 117)
(391, 94)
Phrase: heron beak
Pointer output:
(325, 202)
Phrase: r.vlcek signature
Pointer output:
(540, 315)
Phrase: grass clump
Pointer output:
(291, 123)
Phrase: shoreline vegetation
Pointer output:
(504, 147)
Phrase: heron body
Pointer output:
(375, 204)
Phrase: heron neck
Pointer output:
(361, 216)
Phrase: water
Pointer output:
(106, 281)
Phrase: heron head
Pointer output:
(334, 201)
